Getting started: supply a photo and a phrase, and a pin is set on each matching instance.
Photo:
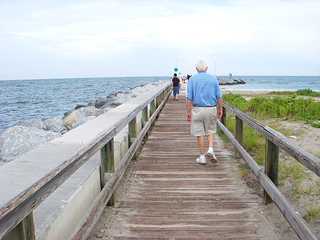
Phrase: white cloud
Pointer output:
(243, 35)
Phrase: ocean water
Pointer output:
(277, 82)
(22, 100)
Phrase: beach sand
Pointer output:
(249, 91)
(253, 91)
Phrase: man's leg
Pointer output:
(210, 153)
(211, 140)
(201, 144)
(202, 158)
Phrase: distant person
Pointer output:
(186, 82)
(204, 94)
(175, 86)
(170, 76)
(180, 77)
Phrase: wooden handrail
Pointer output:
(307, 159)
(299, 225)
(84, 229)
(15, 210)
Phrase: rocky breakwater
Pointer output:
(27, 135)
(230, 81)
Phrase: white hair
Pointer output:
(201, 65)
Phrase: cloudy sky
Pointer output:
(120, 38)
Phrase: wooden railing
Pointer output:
(269, 178)
(16, 216)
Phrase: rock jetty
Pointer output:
(230, 81)
(28, 135)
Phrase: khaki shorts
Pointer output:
(203, 121)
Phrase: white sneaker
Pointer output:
(212, 157)
(201, 160)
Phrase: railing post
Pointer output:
(132, 133)
(239, 134)
(145, 116)
(158, 101)
(144, 119)
(107, 165)
(271, 167)
(24, 230)
(223, 118)
(152, 107)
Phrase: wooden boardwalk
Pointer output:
(166, 195)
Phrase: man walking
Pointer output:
(175, 86)
(204, 94)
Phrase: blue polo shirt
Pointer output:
(203, 89)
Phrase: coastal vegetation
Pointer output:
(276, 109)
(289, 107)
(302, 92)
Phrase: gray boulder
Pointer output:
(101, 101)
(122, 98)
(18, 140)
(54, 124)
(101, 111)
(36, 124)
(82, 120)
(110, 104)
(79, 116)
(86, 111)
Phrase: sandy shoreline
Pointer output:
(255, 91)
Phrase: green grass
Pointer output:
(287, 107)
(303, 92)
(313, 211)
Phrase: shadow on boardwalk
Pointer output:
(166, 195)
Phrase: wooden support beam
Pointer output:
(224, 116)
(152, 107)
(107, 165)
(132, 130)
(271, 166)
(132, 134)
(23, 231)
(239, 134)
(145, 116)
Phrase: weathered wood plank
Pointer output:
(271, 166)
(172, 197)
(239, 134)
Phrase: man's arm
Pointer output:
(188, 114)
(220, 112)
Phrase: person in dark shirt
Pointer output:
(175, 86)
